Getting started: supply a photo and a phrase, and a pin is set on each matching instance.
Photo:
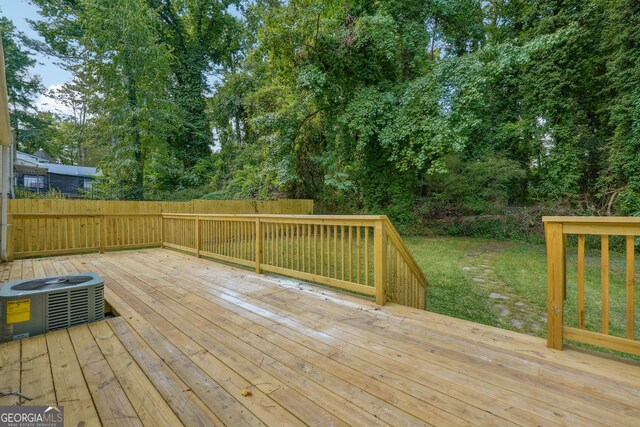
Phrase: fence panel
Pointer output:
(59, 206)
(33, 234)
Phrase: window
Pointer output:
(87, 184)
(34, 181)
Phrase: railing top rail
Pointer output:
(407, 255)
(593, 219)
(281, 216)
(77, 215)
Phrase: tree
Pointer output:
(202, 35)
(130, 68)
(621, 42)
(122, 76)
(30, 127)
(76, 132)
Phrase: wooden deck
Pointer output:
(201, 343)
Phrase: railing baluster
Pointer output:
(366, 255)
(581, 321)
(197, 237)
(380, 248)
(335, 251)
(298, 252)
(276, 244)
(281, 241)
(630, 282)
(285, 246)
(605, 283)
(322, 249)
(274, 253)
(305, 244)
(342, 266)
(359, 279)
(276, 235)
(350, 254)
(292, 246)
(259, 245)
(237, 239)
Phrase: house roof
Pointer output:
(43, 155)
(31, 159)
(72, 170)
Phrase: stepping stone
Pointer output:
(472, 255)
(478, 279)
(467, 268)
(505, 312)
(520, 304)
(518, 324)
(495, 295)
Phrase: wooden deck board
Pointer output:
(71, 389)
(194, 334)
(36, 378)
(111, 402)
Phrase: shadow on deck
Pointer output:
(201, 343)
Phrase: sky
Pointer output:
(53, 76)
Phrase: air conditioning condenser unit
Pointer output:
(34, 306)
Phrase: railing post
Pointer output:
(258, 245)
(379, 264)
(556, 279)
(197, 241)
(11, 242)
(103, 233)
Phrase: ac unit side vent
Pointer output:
(69, 308)
(99, 301)
(58, 310)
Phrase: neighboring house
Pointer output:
(36, 172)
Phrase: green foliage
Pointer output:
(447, 110)
(359, 105)
(472, 187)
(32, 128)
(23, 193)
(138, 97)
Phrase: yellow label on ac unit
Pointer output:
(18, 310)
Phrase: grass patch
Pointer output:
(450, 291)
(522, 267)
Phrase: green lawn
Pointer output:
(450, 290)
(520, 269)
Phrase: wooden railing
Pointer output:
(32, 235)
(362, 254)
(556, 231)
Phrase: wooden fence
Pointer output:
(556, 231)
(363, 254)
(64, 206)
(32, 235)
